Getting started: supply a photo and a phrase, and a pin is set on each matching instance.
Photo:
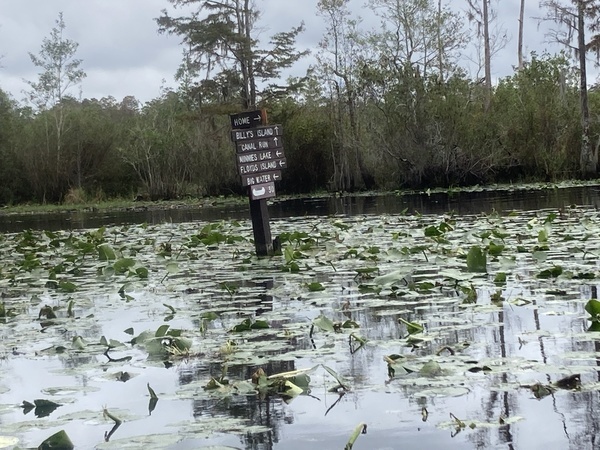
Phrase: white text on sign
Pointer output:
(264, 166)
(264, 132)
(259, 178)
(245, 158)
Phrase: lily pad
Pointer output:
(476, 260)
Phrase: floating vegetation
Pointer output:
(40, 407)
(356, 314)
(361, 428)
(58, 441)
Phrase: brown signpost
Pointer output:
(260, 158)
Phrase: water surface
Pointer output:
(535, 333)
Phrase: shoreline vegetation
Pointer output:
(122, 204)
(375, 113)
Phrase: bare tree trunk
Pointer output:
(440, 52)
(520, 45)
(244, 28)
(487, 54)
(588, 160)
(250, 60)
(348, 164)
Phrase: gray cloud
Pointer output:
(119, 44)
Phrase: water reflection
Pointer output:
(539, 339)
(461, 203)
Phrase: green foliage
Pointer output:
(249, 324)
(164, 342)
(228, 30)
(375, 124)
(60, 71)
(476, 260)
(315, 286)
(500, 278)
(361, 428)
(308, 132)
(12, 179)
(495, 249)
(213, 234)
(58, 441)
(411, 327)
(538, 110)
(106, 252)
(552, 272)
(592, 307)
(324, 323)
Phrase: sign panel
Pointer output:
(257, 133)
(260, 191)
(268, 155)
(248, 119)
(262, 166)
(259, 178)
(255, 145)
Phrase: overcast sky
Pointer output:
(123, 54)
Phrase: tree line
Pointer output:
(385, 109)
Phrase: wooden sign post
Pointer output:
(260, 158)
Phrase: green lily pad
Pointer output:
(106, 252)
(58, 441)
(324, 323)
(476, 260)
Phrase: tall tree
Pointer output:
(419, 34)
(577, 17)
(155, 147)
(520, 44)
(221, 42)
(416, 47)
(10, 173)
(491, 38)
(61, 71)
(338, 67)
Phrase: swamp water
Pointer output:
(434, 329)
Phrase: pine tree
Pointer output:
(222, 47)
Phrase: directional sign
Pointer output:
(255, 145)
(259, 178)
(248, 119)
(262, 166)
(257, 133)
(267, 155)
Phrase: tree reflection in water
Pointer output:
(269, 411)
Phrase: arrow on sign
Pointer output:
(248, 119)
(260, 178)
(254, 145)
(262, 166)
(264, 132)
